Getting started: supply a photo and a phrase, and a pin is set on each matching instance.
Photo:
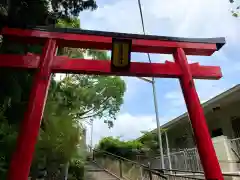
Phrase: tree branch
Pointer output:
(83, 113)
(95, 114)
(92, 115)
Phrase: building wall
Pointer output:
(223, 119)
(215, 119)
(180, 136)
(188, 159)
(225, 155)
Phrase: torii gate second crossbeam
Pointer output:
(48, 63)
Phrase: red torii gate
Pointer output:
(47, 63)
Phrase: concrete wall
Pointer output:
(226, 157)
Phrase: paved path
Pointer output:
(94, 172)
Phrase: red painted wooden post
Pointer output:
(22, 158)
(203, 140)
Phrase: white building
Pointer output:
(223, 118)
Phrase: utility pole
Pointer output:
(91, 140)
(154, 92)
(152, 81)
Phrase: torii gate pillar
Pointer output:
(204, 143)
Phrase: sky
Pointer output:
(185, 18)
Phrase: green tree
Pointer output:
(150, 142)
(59, 140)
(127, 149)
(94, 96)
(8, 136)
(98, 96)
(21, 13)
(70, 101)
(236, 10)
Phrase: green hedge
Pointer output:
(127, 149)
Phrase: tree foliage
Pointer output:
(150, 142)
(127, 149)
(59, 139)
(71, 100)
(68, 8)
(8, 136)
(236, 10)
(146, 146)
(23, 13)
(91, 96)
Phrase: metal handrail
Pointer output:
(145, 166)
(183, 171)
(158, 173)
(196, 172)
(119, 157)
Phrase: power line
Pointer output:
(143, 27)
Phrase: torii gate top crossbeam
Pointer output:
(70, 37)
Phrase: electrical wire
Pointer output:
(143, 27)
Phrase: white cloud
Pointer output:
(209, 89)
(206, 90)
(201, 18)
(198, 18)
(126, 126)
(185, 18)
(132, 86)
(115, 17)
(175, 99)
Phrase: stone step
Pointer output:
(100, 175)
(94, 172)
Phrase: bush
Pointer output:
(127, 149)
(76, 170)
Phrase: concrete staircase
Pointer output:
(94, 172)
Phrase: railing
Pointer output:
(235, 147)
(197, 175)
(131, 170)
(125, 168)
(187, 159)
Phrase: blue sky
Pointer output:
(185, 18)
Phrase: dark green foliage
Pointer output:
(74, 98)
(71, 7)
(147, 145)
(236, 10)
(21, 13)
(150, 142)
(76, 170)
(127, 149)
(15, 84)
(8, 134)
